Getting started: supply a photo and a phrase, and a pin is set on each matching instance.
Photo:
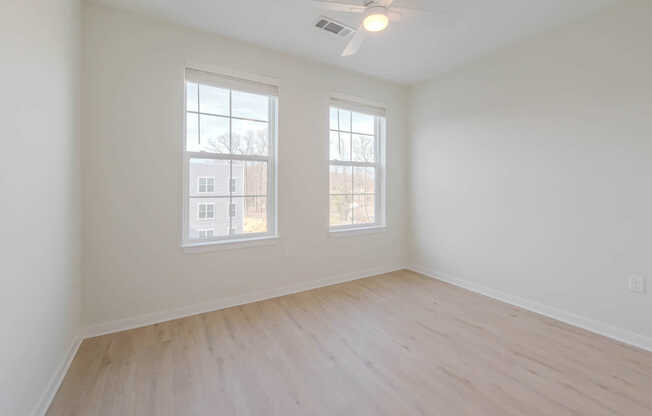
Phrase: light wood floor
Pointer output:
(396, 344)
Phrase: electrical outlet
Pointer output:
(636, 284)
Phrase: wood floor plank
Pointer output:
(393, 344)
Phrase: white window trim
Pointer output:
(379, 225)
(206, 246)
(240, 240)
(357, 231)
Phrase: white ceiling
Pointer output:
(413, 49)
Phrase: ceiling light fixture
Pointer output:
(376, 19)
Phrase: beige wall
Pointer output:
(530, 169)
(133, 263)
(40, 210)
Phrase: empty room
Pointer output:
(326, 207)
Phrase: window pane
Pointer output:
(333, 119)
(340, 146)
(210, 185)
(211, 168)
(220, 223)
(252, 106)
(345, 120)
(341, 181)
(206, 234)
(191, 96)
(249, 137)
(205, 211)
(340, 212)
(364, 209)
(363, 123)
(192, 131)
(213, 135)
(249, 178)
(250, 215)
(363, 148)
(213, 100)
(364, 180)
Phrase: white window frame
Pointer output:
(242, 85)
(379, 164)
(209, 179)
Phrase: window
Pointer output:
(355, 167)
(205, 234)
(206, 184)
(206, 211)
(229, 159)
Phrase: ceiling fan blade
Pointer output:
(355, 42)
(412, 10)
(387, 3)
(334, 6)
(395, 13)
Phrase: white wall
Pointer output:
(40, 210)
(531, 169)
(132, 112)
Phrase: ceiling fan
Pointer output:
(377, 14)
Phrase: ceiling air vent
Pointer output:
(336, 28)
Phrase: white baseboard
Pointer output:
(162, 316)
(597, 327)
(600, 328)
(57, 378)
(44, 403)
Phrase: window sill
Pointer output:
(209, 246)
(350, 232)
